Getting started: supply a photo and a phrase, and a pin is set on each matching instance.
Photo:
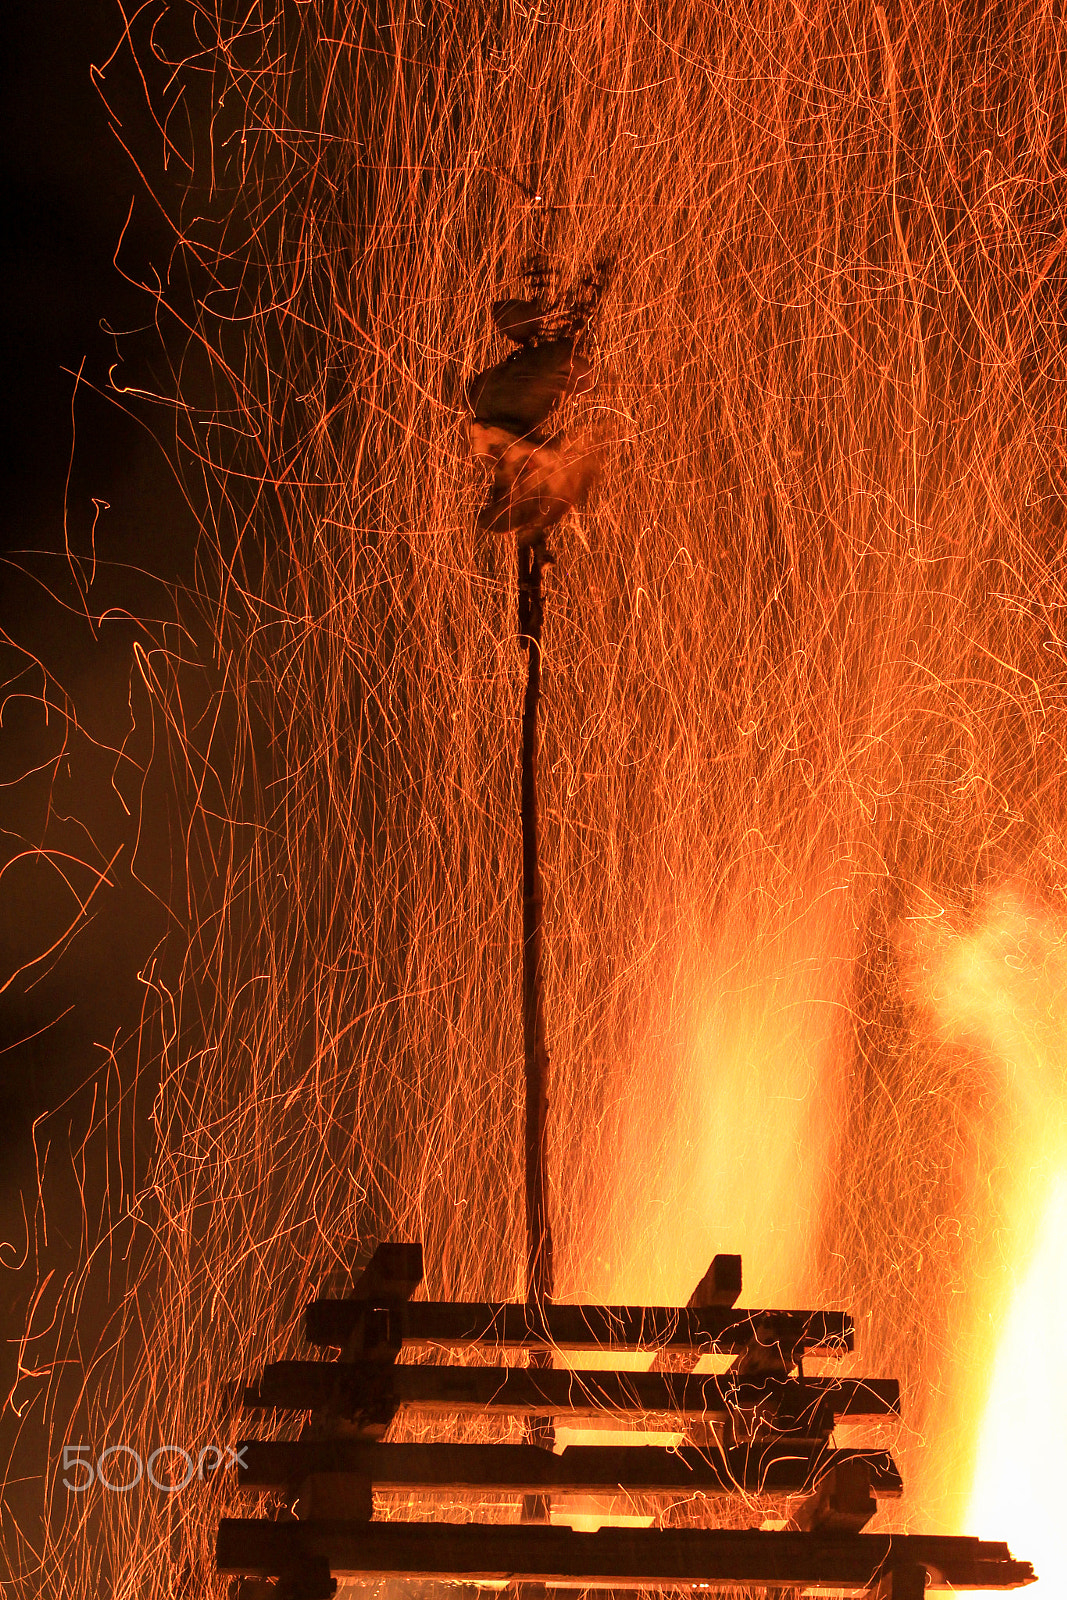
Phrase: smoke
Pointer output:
(994, 985)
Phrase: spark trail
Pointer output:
(804, 673)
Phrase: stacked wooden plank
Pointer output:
(765, 1429)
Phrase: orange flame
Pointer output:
(1020, 1481)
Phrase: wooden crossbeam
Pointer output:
(377, 1388)
(708, 1329)
(843, 1501)
(720, 1285)
(783, 1467)
(905, 1583)
(393, 1272)
(620, 1557)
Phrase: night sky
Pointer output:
(67, 191)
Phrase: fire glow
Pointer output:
(1020, 1481)
(997, 988)
(804, 706)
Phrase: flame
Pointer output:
(752, 1052)
(1020, 1481)
(804, 669)
(994, 987)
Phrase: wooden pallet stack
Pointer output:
(761, 1427)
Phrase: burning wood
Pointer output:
(536, 480)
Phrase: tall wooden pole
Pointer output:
(539, 1283)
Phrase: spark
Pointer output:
(803, 680)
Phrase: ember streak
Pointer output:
(803, 678)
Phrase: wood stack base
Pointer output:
(761, 1428)
(642, 1558)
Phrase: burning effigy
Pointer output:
(536, 479)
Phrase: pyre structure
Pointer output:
(760, 1429)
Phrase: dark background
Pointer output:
(71, 698)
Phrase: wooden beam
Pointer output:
(720, 1285)
(310, 1581)
(905, 1583)
(709, 1330)
(641, 1557)
(843, 1502)
(371, 1388)
(780, 1466)
(389, 1279)
(393, 1272)
(539, 1268)
(335, 1497)
(295, 1586)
